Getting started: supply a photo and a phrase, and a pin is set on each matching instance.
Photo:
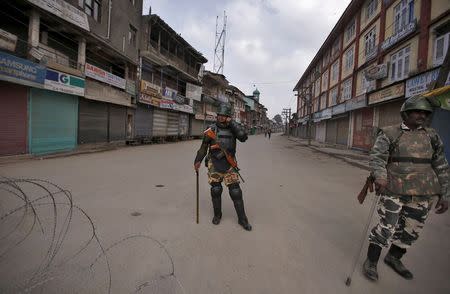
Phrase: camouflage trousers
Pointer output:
(401, 220)
(229, 177)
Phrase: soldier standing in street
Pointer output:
(410, 171)
(219, 145)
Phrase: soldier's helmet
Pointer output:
(416, 103)
(224, 109)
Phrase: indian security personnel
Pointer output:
(409, 167)
(219, 147)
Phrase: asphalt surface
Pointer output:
(131, 227)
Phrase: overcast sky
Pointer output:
(269, 43)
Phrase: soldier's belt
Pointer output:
(410, 159)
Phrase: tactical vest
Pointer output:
(409, 169)
(227, 140)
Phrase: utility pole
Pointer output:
(287, 116)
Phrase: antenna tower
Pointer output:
(219, 48)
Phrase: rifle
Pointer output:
(367, 186)
(230, 159)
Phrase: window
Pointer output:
(132, 36)
(370, 40)
(335, 71)
(350, 31)
(333, 96)
(336, 46)
(400, 64)
(403, 15)
(349, 58)
(326, 59)
(440, 49)
(93, 8)
(317, 88)
(325, 81)
(367, 85)
(371, 8)
(347, 89)
(323, 101)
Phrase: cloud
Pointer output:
(269, 43)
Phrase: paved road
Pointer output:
(307, 226)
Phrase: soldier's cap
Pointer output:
(417, 102)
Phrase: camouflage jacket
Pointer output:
(386, 148)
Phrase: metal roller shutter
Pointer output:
(331, 132)
(197, 127)
(389, 114)
(183, 124)
(362, 130)
(321, 129)
(342, 131)
(53, 121)
(172, 123)
(13, 119)
(143, 121)
(93, 124)
(117, 122)
(159, 123)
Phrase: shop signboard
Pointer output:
(386, 94)
(65, 11)
(21, 71)
(63, 82)
(101, 75)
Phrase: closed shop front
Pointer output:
(331, 134)
(172, 123)
(53, 119)
(342, 130)
(13, 119)
(183, 125)
(160, 123)
(389, 113)
(117, 122)
(93, 122)
(363, 128)
(144, 121)
(197, 127)
(321, 129)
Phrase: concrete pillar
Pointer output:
(81, 53)
(33, 29)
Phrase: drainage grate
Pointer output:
(159, 186)
(135, 213)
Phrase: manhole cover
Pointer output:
(135, 213)
(159, 186)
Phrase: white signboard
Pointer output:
(7, 41)
(193, 92)
(376, 72)
(103, 76)
(419, 84)
(63, 82)
(65, 11)
(406, 31)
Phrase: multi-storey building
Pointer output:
(378, 54)
(170, 85)
(66, 77)
(237, 103)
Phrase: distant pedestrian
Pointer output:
(269, 132)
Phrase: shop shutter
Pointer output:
(13, 119)
(172, 123)
(53, 121)
(143, 121)
(159, 123)
(93, 122)
(117, 123)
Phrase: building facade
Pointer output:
(378, 54)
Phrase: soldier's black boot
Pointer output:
(236, 195)
(216, 192)
(370, 265)
(392, 259)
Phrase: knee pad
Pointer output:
(235, 191)
(216, 190)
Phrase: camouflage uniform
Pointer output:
(414, 164)
(219, 169)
